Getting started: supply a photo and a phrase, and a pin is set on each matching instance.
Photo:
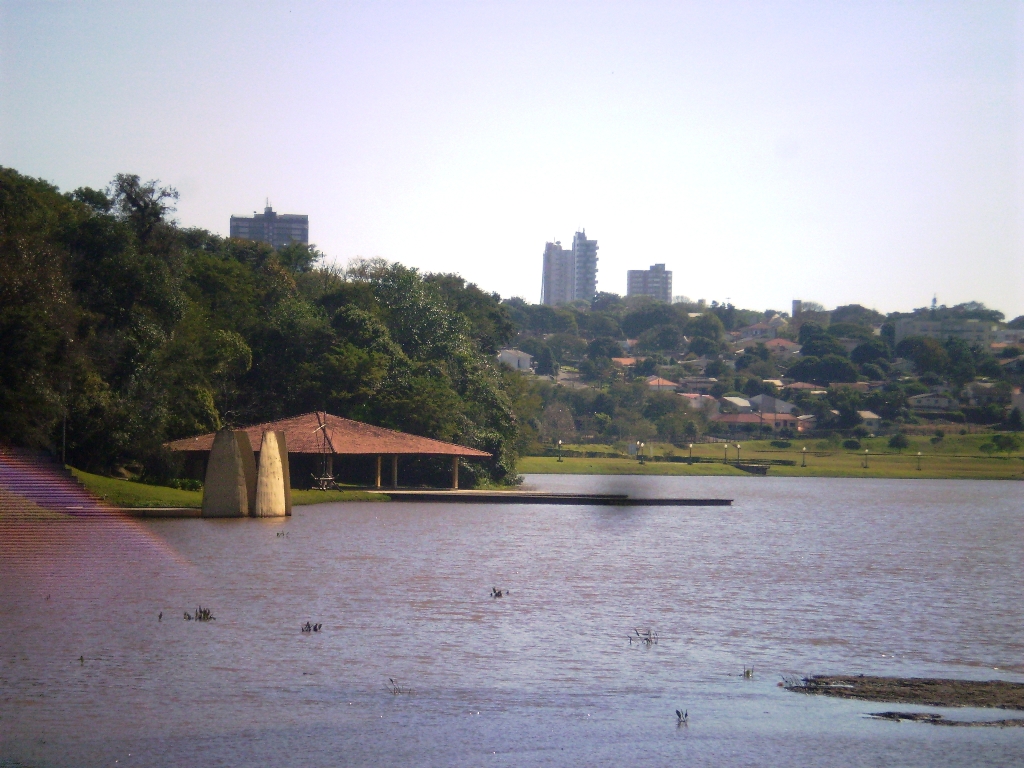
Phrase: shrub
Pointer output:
(851, 444)
(899, 442)
(780, 444)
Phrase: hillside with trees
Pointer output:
(120, 330)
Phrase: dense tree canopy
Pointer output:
(138, 332)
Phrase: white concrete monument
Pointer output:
(273, 484)
(230, 486)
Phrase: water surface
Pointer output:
(799, 576)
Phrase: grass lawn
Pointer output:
(124, 493)
(542, 465)
(956, 456)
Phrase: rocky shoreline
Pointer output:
(929, 692)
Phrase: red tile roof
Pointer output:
(344, 436)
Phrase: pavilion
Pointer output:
(314, 439)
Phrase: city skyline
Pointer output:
(870, 154)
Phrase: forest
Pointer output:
(121, 330)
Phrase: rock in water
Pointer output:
(272, 491)
(230, 486)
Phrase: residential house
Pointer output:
(1009, 336)
(982, 393)
(769, 404)
(753, 422)
(783, 347)
(624, 361)
(699, 384)
(857, 386)
(871, 420)
(516, 360)
(659, 384)
(806, 423)
(763, 331)
(932, 401)
(803, 386)
(698, 402)
(741, 404)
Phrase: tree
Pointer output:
(870, 351)
(899, 441)
(927, 354)
(810, 331)
(1015, 421)
(707, 326)
(662, 337)
(823, 345)
(703, 346)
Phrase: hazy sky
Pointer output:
(845, 152)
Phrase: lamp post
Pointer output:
(691, 453)
(918, 461)
(559, 450)
(737, 453)
(865, 458)
(638, 455)
(803, 463)
(726, 453)
(642, 453)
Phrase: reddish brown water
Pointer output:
(798, 577)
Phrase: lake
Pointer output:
(800, 576)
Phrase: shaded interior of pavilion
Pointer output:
(324, 450)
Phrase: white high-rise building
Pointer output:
(569, 274)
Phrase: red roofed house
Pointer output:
(655, 382)
(314, 439)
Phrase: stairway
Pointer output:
(34, 477)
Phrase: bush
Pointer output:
(1006, 443)
(851, 444)
(780, 444)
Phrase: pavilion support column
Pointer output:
(378, 471)
(394, 471)
(455, 473)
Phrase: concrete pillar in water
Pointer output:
(230, 486)
(455, 473)
(272, 485)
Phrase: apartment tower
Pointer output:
(272, 228)
(656, 282)
(569, 274)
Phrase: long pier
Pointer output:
(542, 497)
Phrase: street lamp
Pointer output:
(737, 453)
(918, 461)
(865, 458)
(804, 462)
(691, 453)
(641, 453)
(559, 450)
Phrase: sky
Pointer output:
(868, 153)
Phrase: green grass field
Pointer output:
(124, 493)
(956, 457)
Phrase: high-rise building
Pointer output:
(656, 282)
(584, 253)
(276, 229)
(559, 279)
(569, 274)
